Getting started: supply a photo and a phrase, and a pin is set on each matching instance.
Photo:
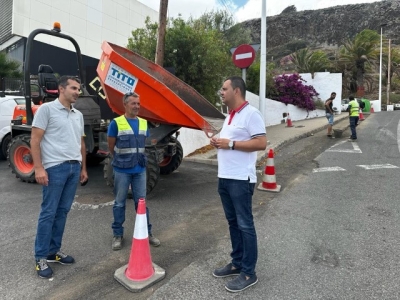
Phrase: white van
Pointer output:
(7, 105)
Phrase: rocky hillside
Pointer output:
(327, 28)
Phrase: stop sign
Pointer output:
(243, 56)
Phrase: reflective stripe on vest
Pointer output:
(355, 107)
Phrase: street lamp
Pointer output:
(389, 66)
(380, 68)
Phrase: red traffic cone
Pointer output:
(269, 179)
(361, 116)
(289, 121)
(140, 272)
(371, 109)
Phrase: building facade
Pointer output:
(89, 22)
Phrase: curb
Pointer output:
(276, 146)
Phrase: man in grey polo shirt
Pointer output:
(59, 156)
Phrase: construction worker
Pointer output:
(126, 142)
(353, 109)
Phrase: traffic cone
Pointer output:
(371, 109)
(140, 272)
(289, 121)
(361, 116)
(269, 179)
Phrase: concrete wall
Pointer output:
(324, 83)
(90, 22)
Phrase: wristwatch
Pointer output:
(231, 145)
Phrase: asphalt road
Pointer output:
(327, 235)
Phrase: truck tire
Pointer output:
(152, 171)
(20, 158)
(4, 146)
(171, 163)
(108, 172)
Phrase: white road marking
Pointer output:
(356, 148)
(328, 169)
(244, 55)
(375, 167)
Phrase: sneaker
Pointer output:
(352, 140)
(240, 283)
(228, 270)
(117, 243)
(61, 258)
(330, 136)
(154, 241)
(43, 269)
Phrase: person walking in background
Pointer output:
(59, 157)
(126, 142)
(329, 113)
(242, 135)
(353, 109)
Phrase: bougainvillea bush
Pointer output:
(292, 90)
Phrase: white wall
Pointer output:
(90, 22)
(324, 83)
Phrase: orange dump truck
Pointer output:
(166, 102)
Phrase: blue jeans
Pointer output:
(57, 200)
(122, 181)
(236, 197)
(353, 125)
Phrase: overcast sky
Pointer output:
(243, 9)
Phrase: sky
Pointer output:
(243, 9)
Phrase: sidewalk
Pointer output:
(280, 135)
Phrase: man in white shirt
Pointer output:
(242, 135)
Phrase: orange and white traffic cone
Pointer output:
(361, 116)
(289, 121)
(371, 109)
(269, 179)
(140, 272)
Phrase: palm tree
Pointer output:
(307, 61)
(355, 53)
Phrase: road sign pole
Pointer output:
(244, 75)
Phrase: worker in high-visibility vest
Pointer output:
(353, 109)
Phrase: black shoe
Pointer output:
(228, 270)
(240, 283)
(43, 269)
(61, 258)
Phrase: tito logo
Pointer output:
(120, 80)
(123, 77)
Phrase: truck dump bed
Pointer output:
(164, 98)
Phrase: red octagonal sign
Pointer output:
(243, 56)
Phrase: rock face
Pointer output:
(329, 27)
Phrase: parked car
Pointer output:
(396, 106)
(345, 104)
(7, 105)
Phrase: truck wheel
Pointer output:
(108, 172)
(4, 146)
(152, 172)
(171, 163)
(20, 158)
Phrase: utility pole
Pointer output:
(162, 25)
(388, 82)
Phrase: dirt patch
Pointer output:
(201, 150)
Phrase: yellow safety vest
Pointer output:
(354, 109)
